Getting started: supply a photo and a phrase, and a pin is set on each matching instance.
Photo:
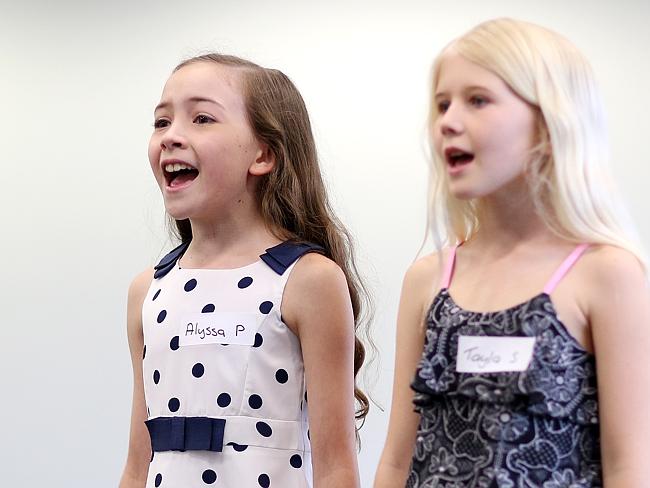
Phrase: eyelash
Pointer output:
(477, 101)
(207, 118)
(199, 119)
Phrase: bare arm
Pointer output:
(419, 281)
(619, 314)
(139, 454)
(317, 307)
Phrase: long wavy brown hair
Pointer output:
(292, 197)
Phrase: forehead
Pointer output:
(205, 80)
(455, 71)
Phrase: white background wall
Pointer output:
(81, 214)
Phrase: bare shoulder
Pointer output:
(317, 287)
(422, 280)
(425, 270)
(140, 285)
(614, 280)
(613, 267)
(420, 285)
(314, 272)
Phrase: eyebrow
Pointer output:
(191, 100)
(465, 89)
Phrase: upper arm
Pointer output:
(317, 306)
(139, 444)
(417, 291)
(619, 316)
(137, 291)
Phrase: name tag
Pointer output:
(483, 354)
(218, 328)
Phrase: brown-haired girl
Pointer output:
(253, 317)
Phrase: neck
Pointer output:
(230, 240)
(509, 219)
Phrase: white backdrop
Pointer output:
(82, 215)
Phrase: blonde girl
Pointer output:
(521, 342)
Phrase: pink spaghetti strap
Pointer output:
(564, 268)
(449, 267)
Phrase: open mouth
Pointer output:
(179, 174)
(457, 157)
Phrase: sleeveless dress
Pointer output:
(536, 427)
(223, 376)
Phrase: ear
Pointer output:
(264, 161)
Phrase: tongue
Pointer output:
(182, 179)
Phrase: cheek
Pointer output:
(520, 129)
(436, 137)
(153, 152)
(519, 141)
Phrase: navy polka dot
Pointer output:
(209, 476)
(264, 429)
(151, 460)
(173, 344)
(296, 461)
(209, 308)
(198, 370)
(238, 447)
(264, 480)
(161, 316)
(158, 480)
(258, 340)
(156, 295)
(245, 282)
(223, 400)
(281, 376)
(308, 434)
(174, 404)
(190, 285)
(266, 307)
(255, 401)
(144, 351)
(156, 376)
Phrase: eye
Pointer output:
(443, 106)
(203, 119)
(478, 101)
(160, 123)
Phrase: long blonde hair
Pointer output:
(567, 170)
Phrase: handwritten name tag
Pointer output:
(218, 328)
(484, 354)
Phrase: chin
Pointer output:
(177, 212)
(464, 193)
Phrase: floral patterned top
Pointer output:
(536, 428)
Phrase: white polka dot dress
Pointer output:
(223, 376)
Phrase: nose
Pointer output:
(173, 138)
(450, 121)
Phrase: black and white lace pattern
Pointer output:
(536, 428)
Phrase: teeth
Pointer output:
(173, 167)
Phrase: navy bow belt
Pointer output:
(186, 433)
